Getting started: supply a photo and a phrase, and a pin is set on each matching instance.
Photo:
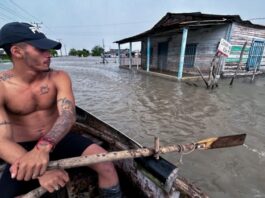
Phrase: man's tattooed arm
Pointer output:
(62, 125)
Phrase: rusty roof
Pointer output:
(194, 19)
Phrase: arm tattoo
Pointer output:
(64, 123)
(66, 105)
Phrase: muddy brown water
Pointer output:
(144, 106)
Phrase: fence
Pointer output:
(136, 61)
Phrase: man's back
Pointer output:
(31, 108)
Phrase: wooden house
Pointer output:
(180, 42)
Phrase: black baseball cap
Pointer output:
(17, 32)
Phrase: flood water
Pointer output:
(145, 106)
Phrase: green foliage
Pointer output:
(53, 52)
(72, 52)
(80, 53)
(86, 53)
(4, 57)
(97, 51)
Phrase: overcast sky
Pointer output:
(85, 23)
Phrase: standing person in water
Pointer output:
(37, 111)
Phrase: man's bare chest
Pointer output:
(21, 100)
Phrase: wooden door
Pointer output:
(162, 56)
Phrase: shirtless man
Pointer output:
(37, 110)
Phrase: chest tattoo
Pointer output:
(44, 89)
(6, 75)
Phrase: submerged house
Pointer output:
(179, 42)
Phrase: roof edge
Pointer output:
(216, 18)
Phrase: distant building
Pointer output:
(112, 53)
(199, 34)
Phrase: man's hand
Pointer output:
(52, 180)
(31, 165)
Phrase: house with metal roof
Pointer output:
(180, 42)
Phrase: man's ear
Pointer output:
(16, 51)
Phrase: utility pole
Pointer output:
(103, 52)
(61, 48)
(65, 50)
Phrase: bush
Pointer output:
(97, 51)
(79, 53)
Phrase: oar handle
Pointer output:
(36, 193)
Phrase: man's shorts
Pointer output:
(72, 145)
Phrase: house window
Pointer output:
(255, 54)
(190, 54)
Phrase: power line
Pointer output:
(22, 9)
(11, 11)
(99, 25)
(3, 19)
(5, 16)
(8, 14)
(261, 18)
(31, 16)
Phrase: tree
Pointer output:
(85, 53)
(72, 52)
(97, 51)
(53, 52)
(80, 53)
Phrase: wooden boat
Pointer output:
(139, 177)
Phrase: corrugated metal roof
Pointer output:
(194, 19)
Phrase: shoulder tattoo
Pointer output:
(6, 75)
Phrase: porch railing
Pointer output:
(136, 61)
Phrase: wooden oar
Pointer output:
(254, 73)
(209, 143)
(205, 81)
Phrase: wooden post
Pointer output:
(182, 52)
(156, 148)
(254, 73)
(239, 63)
(214, 69)
(119, 54)
(148, 54)
(205, 81)
(137, 61)
(130, 56)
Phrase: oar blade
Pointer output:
(229, 141)
(222, 142)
